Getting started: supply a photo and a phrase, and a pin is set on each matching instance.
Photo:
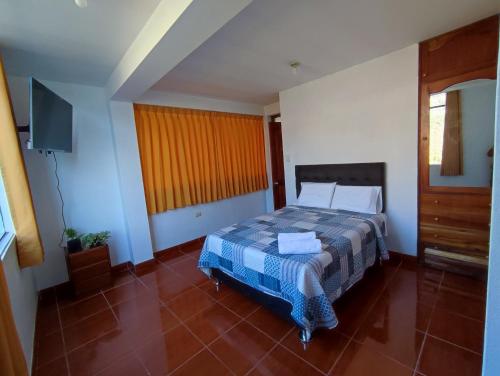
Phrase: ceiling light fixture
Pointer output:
(295, 66)
(81, 3)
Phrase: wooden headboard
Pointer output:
(343, 174)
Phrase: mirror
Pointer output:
(461, 132)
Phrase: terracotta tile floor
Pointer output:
(400, 320)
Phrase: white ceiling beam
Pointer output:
(174, 30)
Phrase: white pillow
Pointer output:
(318, 195)
(358, 199)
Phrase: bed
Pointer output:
(302, 288)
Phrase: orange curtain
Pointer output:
(241, 153)
(12, 362)
(452, 157)
(29, 246)
(190, 157)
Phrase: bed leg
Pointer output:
(217, 284)
(305, 336)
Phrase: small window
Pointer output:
(3, 210)
(2, 227)
(436, 127)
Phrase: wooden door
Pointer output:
(278, 170)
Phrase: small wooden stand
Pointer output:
(89, 270)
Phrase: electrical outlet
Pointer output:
(198, 214)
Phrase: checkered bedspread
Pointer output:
(248, 252)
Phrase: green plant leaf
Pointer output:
(71, 233)
(93, 240)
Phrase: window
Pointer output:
(2, 226)
(190, 157)
(436, 127)
(3, 210)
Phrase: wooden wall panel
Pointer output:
(473, 47)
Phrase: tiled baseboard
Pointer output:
(189, 246)
(410, 259)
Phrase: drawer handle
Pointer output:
(436, 219)
(436, 236)
(436, 202)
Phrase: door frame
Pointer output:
(273, 123)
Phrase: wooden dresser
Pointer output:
(453, 220)
(454, 231)
(89, 270)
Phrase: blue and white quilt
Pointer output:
(248, 252)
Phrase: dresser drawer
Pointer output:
(456, 201)
(456, 210)
(91, 271)
(455, 237)
(88, 257)
(452, 218)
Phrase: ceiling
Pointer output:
(56, 40)
(247, 59)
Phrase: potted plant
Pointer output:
(94, 240)
(90, 269)
(73, 243)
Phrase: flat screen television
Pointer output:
(51, 119)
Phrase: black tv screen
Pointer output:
(51, 119)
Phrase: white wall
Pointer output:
(23, 299)
(272, 109)
(130, 178)
(89, 180)
(178, 226)
(491, 360)
(367, 113)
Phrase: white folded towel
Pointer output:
(292, 236)
(299, 247)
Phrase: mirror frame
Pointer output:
(426, 89)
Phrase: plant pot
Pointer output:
(74, 245)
